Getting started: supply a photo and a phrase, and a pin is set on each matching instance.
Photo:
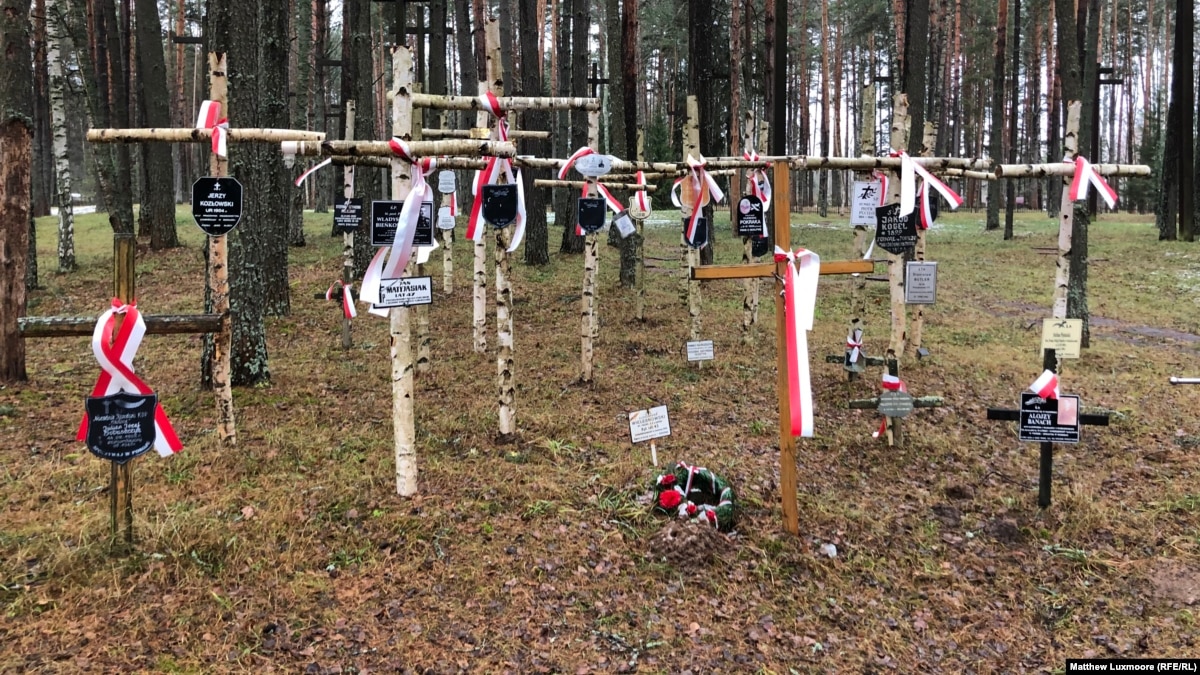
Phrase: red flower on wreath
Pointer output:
(667, 480)
(691, 509)
(711, 515)
(669, 499)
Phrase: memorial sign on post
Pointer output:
(624, 224)
(648, 425)
(500, 204)
(347, 214)
(423, 236)
(445, 221)
(700, 350)
(591, 213)
(895, 233)
(865, 201)
(121, 425)
(385, 221)
(594, 165)
(751, 221)
(920, 283)
(446, 182)
(217, 204)
(406, 292)
(1064, 336)
(700, 238)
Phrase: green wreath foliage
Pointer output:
(695, 493)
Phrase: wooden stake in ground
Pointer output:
(479, 269)
(347, 237)
(400, 320)
(424, 342)
(690, 205)
(1066, 214)
(590, 327)
(639, 253)
(917, 334)
(900, 122)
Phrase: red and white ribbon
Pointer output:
(614, 204)
(491, 174)
(800, 302)
(1046, 385)
(116, 370)
(926, 210)
(1085, 177)
(575, 157)
(760, 182)
(400, 252)
(883, 185)
(210, 118)
(909, 170)
(889, 383)
(315, 168)
(703, 186)
(641, 198)
(854, 344)
(348, 309)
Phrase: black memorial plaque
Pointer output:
(699, 238)
(893, 233)
(1049, 420)
(750, 217)
(385, 221)
(424, 234)
(120, 426)
(217, 204)
(347, 214)
(759, 246)
(895, 403)
(591, 214)
(500, 204)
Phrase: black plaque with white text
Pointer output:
(120, 426)
(217, 204)
(893, 233)
(347, 214)
(385, 220)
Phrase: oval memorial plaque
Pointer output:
(594, 165)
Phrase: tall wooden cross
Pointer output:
(787, 442)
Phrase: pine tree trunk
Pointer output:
(1010, 188)
(299, 111)
(563, 202)
(1183, 89)
(537, 246)
(120, 205)
(62, 156)
(916, 52)
(579, 59)
(42, 175)
(358, 84)
(274, 197)
(16, 155)
(996, 132)
(249, 250)
(157, 212)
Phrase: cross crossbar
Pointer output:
(1008, 415)
(767, 270)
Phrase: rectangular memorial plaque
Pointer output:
(700, 350)
(347, 214)
(385, 220)
(647, 425)
(1048, 420)
(865, 201)
(920, 283)
(405, 292)
(895, 233)
(424, 234)
(1063, 336)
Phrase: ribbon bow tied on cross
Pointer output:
(613, 203)
(1086, 177)
(210, 118)
(115, 356)
(800, 301)
(909, 170)
(704, 186)
(760, 182)
(348, 309)
(390, 262)
(641, 198)
(854, 343)
(490, 175)
(889, 383)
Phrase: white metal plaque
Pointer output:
(700, 350)
(405, 292)
(647, 425)
(446, 182)
(865, 200)
(445, 221)
(920, 283)
(594, 165)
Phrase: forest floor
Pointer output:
(292, 552)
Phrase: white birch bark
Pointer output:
(400, 320)
(58, 130)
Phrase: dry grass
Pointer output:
(292, 552)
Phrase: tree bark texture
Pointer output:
(996, 132)
(157, 212)
(273, 198)
(358, 85)
(42, 176)
(16, 157)
(579, 59)
(537, 246)
(120, 205)
(58, 126)
(899, 139)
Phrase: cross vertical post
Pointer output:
(347, 237)
(217, 277)
(120, 487)
(787, 442)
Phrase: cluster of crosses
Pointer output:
(491, 148)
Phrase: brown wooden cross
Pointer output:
(787, 442)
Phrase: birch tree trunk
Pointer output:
(929, 139)
(591, 265)
(693, 254)
(900, 134)
(400, 319)
(58, 128)
(1066, 215)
